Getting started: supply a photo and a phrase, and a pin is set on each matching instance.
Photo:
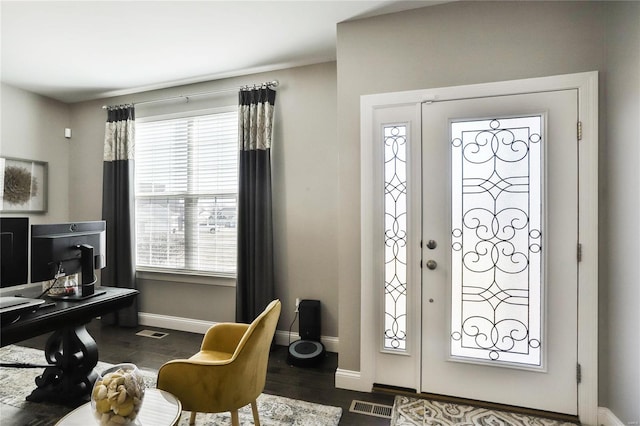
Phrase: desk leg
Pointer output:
(70, 380)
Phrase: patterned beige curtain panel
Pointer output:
(255, 119)
(119, 135)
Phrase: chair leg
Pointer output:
(192, 419)
(234, 418)
(254, 409)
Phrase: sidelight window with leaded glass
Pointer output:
(395, 237)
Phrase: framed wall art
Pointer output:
(23, 185)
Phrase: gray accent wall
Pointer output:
(32, 128)
(475, 42)
(305, 183)
(620, 216)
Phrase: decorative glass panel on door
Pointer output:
(497, 240)
(395, 237)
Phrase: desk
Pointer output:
(70, 349)
(159, 408)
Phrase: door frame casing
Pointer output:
(587, 351)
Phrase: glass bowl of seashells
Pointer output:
(117, 395)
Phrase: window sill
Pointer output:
(190, 278)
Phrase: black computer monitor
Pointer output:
(14, 251)
(68, 248)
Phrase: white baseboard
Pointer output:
(198, 326)
(351, 380)
(174, 323)
(607, 418)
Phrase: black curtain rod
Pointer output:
(273, 83)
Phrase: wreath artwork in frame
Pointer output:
(23, 186)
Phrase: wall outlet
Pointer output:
(297, 303)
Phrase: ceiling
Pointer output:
(81, 50)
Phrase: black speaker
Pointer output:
(309, 320)
(308, 351)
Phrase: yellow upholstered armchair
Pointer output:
(230, 370)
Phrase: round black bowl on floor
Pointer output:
(305, 353)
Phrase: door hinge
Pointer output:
(578, 373)
(579, 252)
(579, 130)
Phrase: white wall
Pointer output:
(475, 42)
(304, 168)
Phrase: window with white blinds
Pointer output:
(186, 193)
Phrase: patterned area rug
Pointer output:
(16, 384)
(409, 411)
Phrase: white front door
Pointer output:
(469, 243)
(500, 236)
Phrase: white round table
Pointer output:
(159, 408)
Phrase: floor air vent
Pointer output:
(152, 334)
(371, 409)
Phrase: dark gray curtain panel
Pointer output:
(255, 275)
(118, 207)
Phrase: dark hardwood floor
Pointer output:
(315, 384)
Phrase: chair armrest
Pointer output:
(208, 386)
(223, 337)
